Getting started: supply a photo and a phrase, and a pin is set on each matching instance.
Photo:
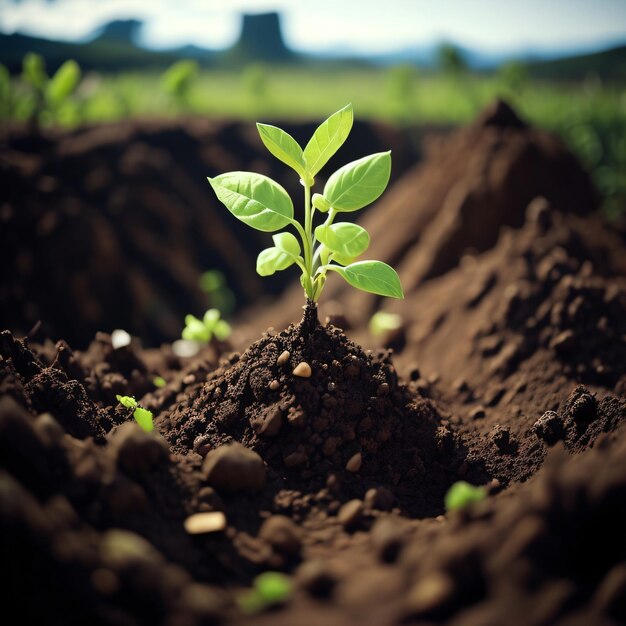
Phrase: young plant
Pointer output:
(178, 80)
(50, 94)
(462, 494)
(382, 323)
(269, 589)
(263, 204)
(202, 331)
(143, 417)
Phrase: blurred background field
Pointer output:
(580, 96)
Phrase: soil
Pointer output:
(306, 453)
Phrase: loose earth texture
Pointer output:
(309, 456)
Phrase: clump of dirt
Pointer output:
(311, 403)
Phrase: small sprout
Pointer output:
(462, 495)
(214, 284)
(142, 416)
(202, 331)
(269, 589)
(382, 323)
(264, 205)
(179, 78)
(159, 381)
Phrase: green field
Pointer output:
(589, 115)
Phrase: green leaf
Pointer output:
(345, 239)
(463, 494)
(288, 243)
(222, 330)
(211, 318)
(327, 139)
(273, 260)
(372, 276)
(359, 183)
(34, 70)
(283, 146)
(254, 199)
(64, 82)
(144, 419)
(195, 330)
(127, 401)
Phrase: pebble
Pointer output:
(282, 534)
(233, 468)
(202, 523)
(283, 358)
(354, 462)
(120, 339)
(430, 593)
(303, 370)
(294, 459)
(350, 514)
(379, 498)
(477, 413)
(274, 385)
(137, 451)
(272, 422)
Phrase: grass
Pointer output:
(589, 115)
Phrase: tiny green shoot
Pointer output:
(202, 331)
(269, 589)
(462, 494)
(142, 416)
(263, 204)
(179, 78)
(382, 323)
(159, 381)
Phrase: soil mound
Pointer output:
(312, 403)
(119, 221)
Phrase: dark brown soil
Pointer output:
(330, 461)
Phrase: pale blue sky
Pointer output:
(359, 25)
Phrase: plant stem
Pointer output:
(308, 242)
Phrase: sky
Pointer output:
(365, 26)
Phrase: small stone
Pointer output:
(350, 514)
(138, 451)
(302, 370)
(379, 498)
(190, 379)
(283, 358)
(387, 538)
(274, 385)
(354, 462)
(383, 389)
(272, 421)
(477, 413)
(233, 468)
(430, 593)
(202, 523)
(120, 339)
(294, 459)
(282, 534)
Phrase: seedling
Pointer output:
(263, 204)
(49, 94)
(159, 381)
(382, 323)
(202, 331)
(462, 494)
(179, 78)
(214, 284)
(269, 589)
(143, 417)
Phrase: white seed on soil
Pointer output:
(283, 358)
(120, 339)
(201, 523)
(303, 370)
(354, 462)
(274, 385)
